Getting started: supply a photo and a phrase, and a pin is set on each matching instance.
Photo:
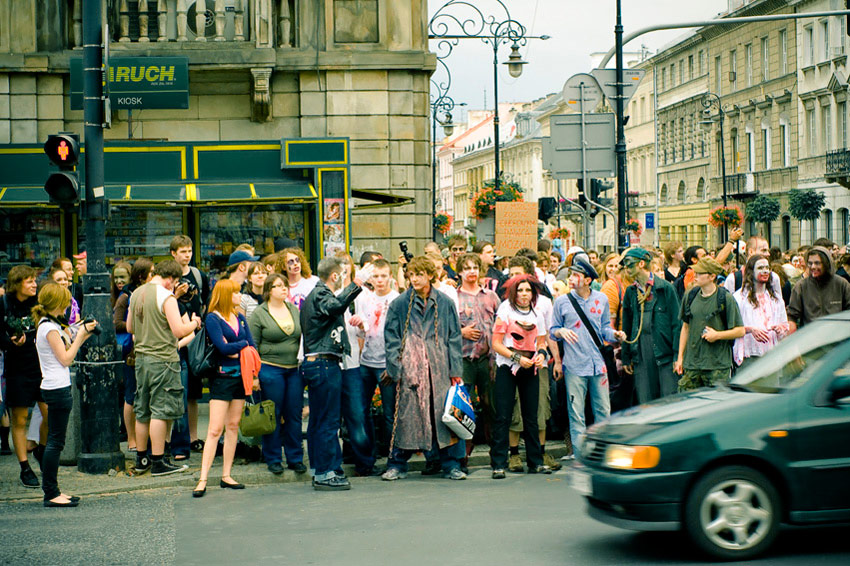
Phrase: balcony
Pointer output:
(838, 167)
(741, 185)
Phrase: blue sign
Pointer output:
(649, 221)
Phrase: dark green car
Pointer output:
(730, 465)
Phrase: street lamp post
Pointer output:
(473, 24)
(442, 104)
(710, 99)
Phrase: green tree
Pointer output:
(763, 209)
(806, 205)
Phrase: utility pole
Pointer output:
(620, 148)
(96, 375)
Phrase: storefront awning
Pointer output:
(374, 199)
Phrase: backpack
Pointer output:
(721, 305)
(196, 274)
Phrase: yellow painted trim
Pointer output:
(321, 172)
(316, 163)
(148, 149)
(313, 190)
(21, 150)
(227, 147)
(191, 192)
(3, 192)
(127, 193)
(253, 190)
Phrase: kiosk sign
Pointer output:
(139, 82)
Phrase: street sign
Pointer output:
(573, 89)
(607, 79)
(564, 151)
(649, 221)
(139, 82)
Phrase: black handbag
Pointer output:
(201, 354)
(606, 350)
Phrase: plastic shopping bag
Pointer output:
(459, 415)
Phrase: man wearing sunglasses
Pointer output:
(652, 326)
(457, 247)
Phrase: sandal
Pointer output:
(197, 445)
(180, 457)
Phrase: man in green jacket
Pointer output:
(651, 322)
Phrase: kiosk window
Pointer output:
(29, 238)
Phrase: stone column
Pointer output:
(285, 24)
(200, 19)
(182, 20)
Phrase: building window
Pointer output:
(824, 30)
(827, 224)
(844, 219)
(673, 74)
(718, 76)
(663, 78)
(690, 67)
(701, 57)
(765, 60)
(683, 134)
(681, 71)
(783, 52)
(842, 124)
(784, 142)
(751, 150)
(765, 142)
(748, 63)
(733, 69)
(736, 160)
(810, 121)
(809, 44)
(842, 33)
(826, 127)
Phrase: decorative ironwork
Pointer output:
(838, 163)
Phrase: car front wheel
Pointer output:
(733, 513)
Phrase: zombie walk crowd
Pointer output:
(534, 336)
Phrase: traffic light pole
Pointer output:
(97, 377)
(620, 148)
(589, 236)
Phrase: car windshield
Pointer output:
(790, 364)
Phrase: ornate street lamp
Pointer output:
(709, 100)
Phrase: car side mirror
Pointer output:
(839, 389)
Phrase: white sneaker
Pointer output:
(568, 457)
(393, 474)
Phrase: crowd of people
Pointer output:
(542, 333)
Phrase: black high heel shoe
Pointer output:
(200, 492)
(70, 503)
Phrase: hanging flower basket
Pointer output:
(443, 222)
(484, 201)
(634, 226)
(559, 234)
(730, 215)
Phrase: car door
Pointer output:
(821, 441)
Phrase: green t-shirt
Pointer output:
(701, 354)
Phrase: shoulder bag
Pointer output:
(201, 354)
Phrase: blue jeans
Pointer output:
(285, 387)
(324, 380)
(577, 388)
(180, 439)
(357, 390)
(449, 456)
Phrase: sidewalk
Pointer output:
(73, 482)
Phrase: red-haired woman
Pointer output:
(519, 340)
(228, 331)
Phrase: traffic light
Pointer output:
(582, 200)
(546, 208)
(64, 186)
(597, 188)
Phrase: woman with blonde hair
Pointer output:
(56, 352)
(293, 263)
(228, 331)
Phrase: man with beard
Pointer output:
(325, 346)
(652, 326)
(423, 348)
(819, 294)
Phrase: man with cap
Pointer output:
(586, 370)
(237, 266)
(711, 321)
(652, 326)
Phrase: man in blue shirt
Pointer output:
(586, 369)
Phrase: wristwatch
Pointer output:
(515, 358)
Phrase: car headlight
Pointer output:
(632, 457)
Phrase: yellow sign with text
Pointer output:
(516, 227)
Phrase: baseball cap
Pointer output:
(638, 253)
(708, 265)
(239, 256)
(582, 265)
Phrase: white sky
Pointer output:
(577, 29)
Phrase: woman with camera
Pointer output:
(228, 331)
(56, 352)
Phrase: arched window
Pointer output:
(680, 193)
(844, 228)
(827, 224)
(702, 194)
(662, 195)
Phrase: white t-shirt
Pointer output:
(450, 292)
(544, 307)
(515, 324)
(298, 293)
(161, 294)
(372, 309)
(53, 374)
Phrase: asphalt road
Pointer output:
(526, 520)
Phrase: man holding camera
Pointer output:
(192, 292)
(155, 322)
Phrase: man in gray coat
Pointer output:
(423, 344)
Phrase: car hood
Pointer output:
(631, 423)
